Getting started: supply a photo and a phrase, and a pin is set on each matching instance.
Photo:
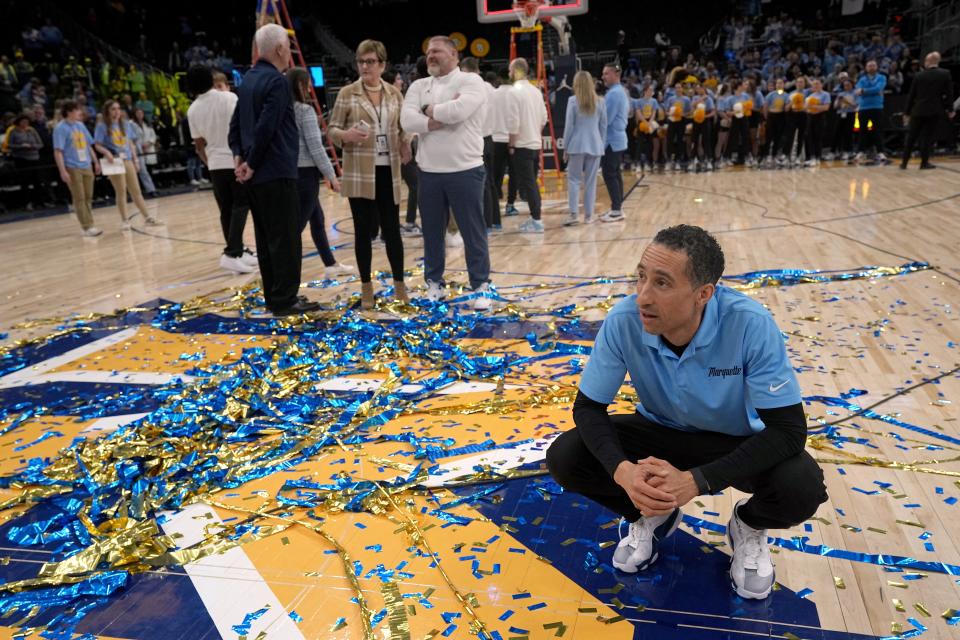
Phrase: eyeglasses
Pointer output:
(368, 62)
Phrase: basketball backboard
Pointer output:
(503, 10)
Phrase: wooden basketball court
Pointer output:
(379, 475)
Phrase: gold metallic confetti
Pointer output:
(838, 582)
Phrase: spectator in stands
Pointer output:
(136, 81)
(870, 88)
(220, 81)
(175, 58)
(525, 121)
(895, 78)
(583, 137)
(144, 104)
(208, 118)
(372, 154)
(113, 139)
(77, 164)
(145, 141)
(263, 139)
(311, 162)
(24, 144)
(618, 107)
(445, 110)
(51, 36)
(126, 103)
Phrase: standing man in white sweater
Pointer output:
(447, 111)
(526, 129)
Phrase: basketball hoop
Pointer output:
(528, 12)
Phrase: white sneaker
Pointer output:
(882, 158)
(531, 226)
(195, 183)
(639, 549)
(410, 231)
(810, 163)
(572, 220)
(153, 222)
(125, 225)
(338, 269)
(454, 240)
(250, 258)
(237, 265)
(482, 302)
(91, 232)
(435, 291)
(612, 216)
(751, 569)
(204, 181)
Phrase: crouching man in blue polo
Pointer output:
(719, 406)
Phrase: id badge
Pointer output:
(382, 149)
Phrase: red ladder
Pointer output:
(275, 11)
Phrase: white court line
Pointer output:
(30, 375)
(229, 584)
(499, 459)
(112, 423)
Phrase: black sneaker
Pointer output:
(300, 306)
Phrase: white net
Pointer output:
(528, 12)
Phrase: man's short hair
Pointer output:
(470, 64)
(199, 79)
(447, 41)
(612, 65)
(269, 37)
(219, 76)
(521, 64)
(705, 262)
(67, 106)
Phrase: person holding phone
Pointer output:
(365, 123)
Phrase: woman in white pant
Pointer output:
(584, 137)
(114, 139)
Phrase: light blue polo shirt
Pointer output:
(736, 363)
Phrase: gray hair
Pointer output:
(269, 37)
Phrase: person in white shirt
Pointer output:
(525, 123)
(446, 110)
(209, 120)
(491, 195)
(498, 110)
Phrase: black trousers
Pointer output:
(308, 192)
(491, 190)
(922, 129)
(675, 133)
(815, 125)
(382, 212)
(408, 172)
(701, 141)
(645, 145)
(501, 162)
(276, 222)
(740, 138)
(871, 137)
(525, 163)
(613, 176)
(231, 197)
(30, 175)
(775, 126)
(796, 125)
(843, 133)
(783, 496)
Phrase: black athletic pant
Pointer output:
(843, 134)
(795, 126)
(645, 144)
(501, 164)
(783, 496)
(491, 192)
(308, 192)
(701, 141)
(367, 215)
(613, 176)
(524, 174)
(675, 133)
(924, 130)
(871, 137)
(776, 122)
(740, 137)
(408, 172)
(276, 222)
(815, 135)
(231, 197)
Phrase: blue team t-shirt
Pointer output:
(647, 107)
(736, 363)
(73, 139)
(119, 139)
(776, 101)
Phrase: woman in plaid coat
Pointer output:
(365, 123)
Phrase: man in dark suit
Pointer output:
(265, 145)
(931, 94)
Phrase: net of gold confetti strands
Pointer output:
(821, 443)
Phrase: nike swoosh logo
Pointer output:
(774, 389)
